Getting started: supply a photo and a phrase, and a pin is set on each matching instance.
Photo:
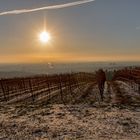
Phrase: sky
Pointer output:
(103, 30)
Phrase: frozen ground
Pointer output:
(117, 118)
(82, 122)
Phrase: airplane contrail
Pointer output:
(21, 11)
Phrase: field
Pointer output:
(69, 106)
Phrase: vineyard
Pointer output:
(42, 88)
(126, 86)
(69, 88)
(70, 106)
(130, 76)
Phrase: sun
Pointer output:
(44, 37)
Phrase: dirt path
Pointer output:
(117, 93)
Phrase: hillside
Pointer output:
(69, 106)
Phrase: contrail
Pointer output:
(45, 8)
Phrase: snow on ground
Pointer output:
(84, 117)
(129, 88)
(71, 122)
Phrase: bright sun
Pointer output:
(44, 37)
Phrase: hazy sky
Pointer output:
(104, 30)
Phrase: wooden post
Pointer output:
(31, 90)
(60, 87)
(49, 90)
(139, 88)
(4, 95)
(70, 88)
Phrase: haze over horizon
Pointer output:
(97, 31)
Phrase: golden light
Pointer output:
(44, 37)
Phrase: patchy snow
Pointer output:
(129, 88)
(68, 122)
(84, 117)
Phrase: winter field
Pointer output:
(69, 107)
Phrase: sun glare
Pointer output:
(44, 37)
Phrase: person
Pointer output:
(101, 78)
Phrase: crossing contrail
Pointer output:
(21, 11)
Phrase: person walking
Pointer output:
(101, 78)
